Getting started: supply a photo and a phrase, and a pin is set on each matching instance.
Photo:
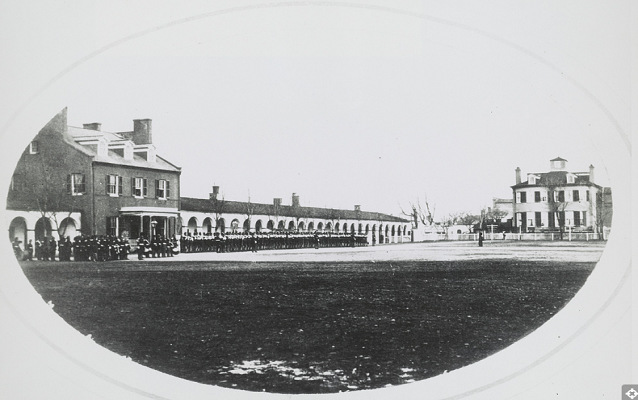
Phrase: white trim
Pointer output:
(149, 211)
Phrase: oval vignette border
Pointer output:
(29, 311)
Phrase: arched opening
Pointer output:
(337, 227)
(18, 229)
(258, 226)
(281, 226)
(68, 228)
(393, 231)
(345, 228)
(192, 226)
(270, 225)
(234, 225)
(311, 226)
(329, 227)
(352, 228)
(291, 226)
(320, 226)
(207, 226)
(301, 226)
(42, 228)
(246, 225)
(367, 228)
(360, 229)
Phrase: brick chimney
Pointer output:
(276, 201)
(357, 207)
(142, 131)
(94, 126)
(518, 175)
(215, 193)
(591, 173)
(295, 200)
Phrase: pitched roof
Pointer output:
(557, 178)
(240, 207)
(113, 157)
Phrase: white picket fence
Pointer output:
(569, 236)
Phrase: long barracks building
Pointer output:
(82, 180)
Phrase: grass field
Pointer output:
(299, 327)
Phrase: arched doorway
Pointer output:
(291, 226)
(68, 228)
(281, 226)
(18, 229)
(42, 228)
(337, 227)
(311, 226)
(301, 226)
(320, 226)
(192, 226)
(246, 225)
(270, 225)
(258, 226)
(234, 225)
(329, 227)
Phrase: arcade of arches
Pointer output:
(377, 231)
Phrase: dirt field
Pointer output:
(317, 321)
(434, 251)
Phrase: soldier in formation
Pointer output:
(232, 242)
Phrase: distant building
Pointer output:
(558, 199)
(207, 216)
(506, 206)
(72, 180)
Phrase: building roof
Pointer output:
(240, 207)
(112, 157)
(557, 178)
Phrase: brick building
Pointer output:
(72, 180)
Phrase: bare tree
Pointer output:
(420, 212)
(603, 210)
(557, 203)
(468, 219)
(334, 215)
(219, 206)
(48, 193)
(249, 211)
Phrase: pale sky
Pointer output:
(371, 103)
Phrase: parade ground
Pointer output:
(434, 251)
(318, 320)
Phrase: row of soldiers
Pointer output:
(97, 248)
(82, 248)
(220, 242)
(160, 246)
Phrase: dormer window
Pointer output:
(571, 178)
(34, 147)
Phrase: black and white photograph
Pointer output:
(317, 199)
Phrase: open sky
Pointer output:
(379, 104)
